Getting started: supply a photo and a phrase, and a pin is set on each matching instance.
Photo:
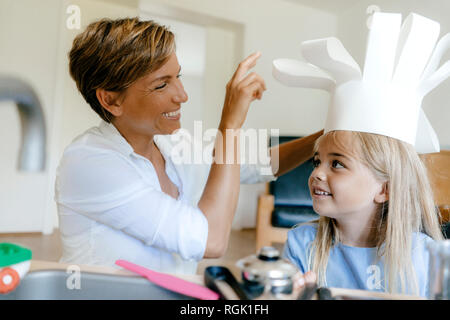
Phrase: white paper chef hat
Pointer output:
(400, 69)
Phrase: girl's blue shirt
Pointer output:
(355, 267)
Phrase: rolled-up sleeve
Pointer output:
(105, 187)
(255, 173)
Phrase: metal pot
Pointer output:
(267, 273)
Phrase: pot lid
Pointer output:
(267, 264)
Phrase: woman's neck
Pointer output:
(146, 148)
(141, 144)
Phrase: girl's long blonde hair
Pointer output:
(410, 209)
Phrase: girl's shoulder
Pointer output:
(421, 240)
(304, 232)
(298, 245)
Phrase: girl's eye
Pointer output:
(179, 75)
(336, 164)
(316, 163)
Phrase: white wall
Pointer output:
(353, 33)
(28, 39)
(190, 42)
(276, 28)
(74, 114)
(34, 42)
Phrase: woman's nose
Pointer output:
(180, 95)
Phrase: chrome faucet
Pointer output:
(33, 149)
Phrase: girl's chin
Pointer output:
(324, 212)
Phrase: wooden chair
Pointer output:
(438, 166)
(266, 233)
(285, 203)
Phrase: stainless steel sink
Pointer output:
(52, 285)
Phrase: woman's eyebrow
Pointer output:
(164, 77)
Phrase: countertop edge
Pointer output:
(37, 265)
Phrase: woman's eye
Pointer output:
(161, 86)
(337, 164)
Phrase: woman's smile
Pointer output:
(173, 115)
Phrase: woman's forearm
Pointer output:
(293, 153)
(220, 196)
(219, 199)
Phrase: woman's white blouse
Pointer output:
(111, 206)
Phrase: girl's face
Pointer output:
(341, 185)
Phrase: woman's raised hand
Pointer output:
(220, 196)
(242, 89)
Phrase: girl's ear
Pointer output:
(110, 101)
(383, 195)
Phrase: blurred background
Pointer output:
(212, 37)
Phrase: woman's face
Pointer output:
(152, 104)
(340, 184)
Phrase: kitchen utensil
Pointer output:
(14, 265)
(267, 273)
(171, 282)
(221, 280)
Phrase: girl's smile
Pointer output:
(319, 193)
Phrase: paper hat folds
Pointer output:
(400, 69)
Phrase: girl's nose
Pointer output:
(180, 95)
(318, 174)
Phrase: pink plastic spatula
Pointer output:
(170, 282)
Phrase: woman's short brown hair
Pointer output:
(112, 54)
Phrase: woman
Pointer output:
(119, 193)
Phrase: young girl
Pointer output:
(376, 216)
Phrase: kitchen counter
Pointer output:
(38, 265)
(49, 265)
(47, 280)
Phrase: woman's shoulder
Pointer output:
(92, 144)
(92, 155)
